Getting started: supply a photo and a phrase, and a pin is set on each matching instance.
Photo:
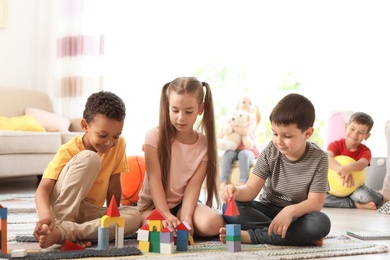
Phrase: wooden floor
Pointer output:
(343, 220)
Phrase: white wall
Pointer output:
(27, 50)
(341, 50)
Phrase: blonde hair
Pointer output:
(167, 132)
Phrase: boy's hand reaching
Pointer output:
(281, 222)
(228, 193)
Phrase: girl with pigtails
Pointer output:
(180, 157)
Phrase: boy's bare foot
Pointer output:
(222, 235)
(245, 238)
(319, 242)
(48, 237)
(369, 205)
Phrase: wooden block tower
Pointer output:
(3, 230)
(183, 233)
(233, 231)
(112, 216)
(153, 237)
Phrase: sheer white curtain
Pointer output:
(80, 50)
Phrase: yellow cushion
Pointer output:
(336, 182)
(20, 123)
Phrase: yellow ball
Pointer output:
(336, 182)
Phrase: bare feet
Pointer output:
(48, 237)
(369, 205)
(319, 242)
(222, 235)
(244, 236)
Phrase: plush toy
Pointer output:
(231, 140)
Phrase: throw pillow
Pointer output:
(50, 121)
(20, 123)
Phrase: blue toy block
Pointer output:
(233, 230)
(103, 238)
(182, 235)
(181, 245)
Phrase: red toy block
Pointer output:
(69, 246)
(113, 210)
(231, 208)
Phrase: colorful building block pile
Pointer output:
(154, 238)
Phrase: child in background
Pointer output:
(293, 173)
(357, 130)
(83, 175)
(245, 155)
(179, 159)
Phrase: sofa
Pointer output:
(30, 132)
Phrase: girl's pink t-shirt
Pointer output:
(184, 162)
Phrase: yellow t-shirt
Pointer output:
(112, 162)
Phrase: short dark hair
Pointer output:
(294, 109)
(104, 103)
(362, 119)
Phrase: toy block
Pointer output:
(154, 236)
(106, 221)
(3, 213)
(166, 235)
(156, 215)
(3, 230)
(18, 253)
(233, 237)
(182, 245)
(233, 230)
(113, 210)
(154, 247)
(103, 238)
(233, 246)
(143, 233)
(231, 208)
(144, 246)
(191, 240)
(167, 248)
(183, 226)
(182, 235)
(119, 235)
(69, 246)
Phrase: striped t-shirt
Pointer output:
(289, 182)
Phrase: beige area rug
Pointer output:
(21, 222)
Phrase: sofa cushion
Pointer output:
(20, 123)
(15, 142)
(50, 121)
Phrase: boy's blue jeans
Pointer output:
(256, 216)
(361, 195)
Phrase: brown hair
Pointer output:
(167, 132)
(294, 109)
(362, 119)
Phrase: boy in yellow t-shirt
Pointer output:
(83, 175)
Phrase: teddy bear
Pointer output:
(231, 140)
